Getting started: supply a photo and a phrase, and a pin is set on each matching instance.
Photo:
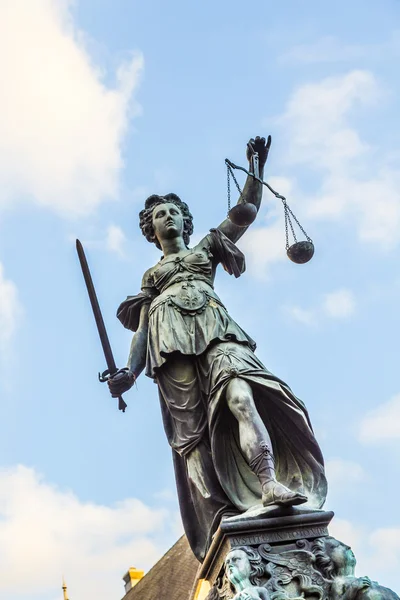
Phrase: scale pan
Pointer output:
(301, 252)
(243, 214)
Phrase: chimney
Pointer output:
(131, 578)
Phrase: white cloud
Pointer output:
(383, 423)
(263, 246)
(316, 118)
(302, 315)
(339, 304)
(344, 475)
(115, 240)
(347, 532)
(341, 472)
(61, 126)
(356, 184)
(45, 531)
(387, 540)
(373, 205)
(10, 309)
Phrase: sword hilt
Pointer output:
(105, 376)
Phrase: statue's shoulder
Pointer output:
(148, 277)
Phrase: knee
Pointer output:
(241, 404)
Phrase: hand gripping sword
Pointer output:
(112, 369)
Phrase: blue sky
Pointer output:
(104, 103)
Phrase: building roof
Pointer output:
(171, 578)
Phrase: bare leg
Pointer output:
(252, 431)
(256, 444)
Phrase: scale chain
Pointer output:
(289, 214)
(229, 174)
(229, 186)
(298, 224)
(286, 225)
(291, 225)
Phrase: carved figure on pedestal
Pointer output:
(239, 436)
(262, 574)
(337, 562)
(242, 575)
(322, 570)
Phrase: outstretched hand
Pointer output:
(121, 382)
(261, 146)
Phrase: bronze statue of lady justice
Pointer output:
(239, 436)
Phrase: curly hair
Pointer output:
(323, 561)
(256, 564)
(146, 217)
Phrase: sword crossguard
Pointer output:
(105, 376)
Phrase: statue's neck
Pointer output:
(173, 246)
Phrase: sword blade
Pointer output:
(101, 328)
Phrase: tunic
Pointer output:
(194, 349)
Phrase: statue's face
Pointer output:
(167, 221)
(237, 565)
(343, 558)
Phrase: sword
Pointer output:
(101, 328)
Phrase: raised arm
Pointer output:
(125, 378)
(252, 191)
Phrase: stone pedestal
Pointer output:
(278, 545)
(282, 554)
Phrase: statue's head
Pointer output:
(243, 564)
(237, 566)
(165, 217)
(333, 557)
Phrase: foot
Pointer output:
(276, 493)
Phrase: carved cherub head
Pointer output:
(243, 564)
(333, 558)
(237, 566)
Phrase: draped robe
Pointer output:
(194, 348)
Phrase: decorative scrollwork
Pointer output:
(319, 569)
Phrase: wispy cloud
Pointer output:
(347, 532)
(387, 540)
(61, 126)
(10, 310)
(317, 120)
(381, 424)
(45, 531)
(302, 315)
(338, 304)
(354, 183)
(341, 472)
(115, 240)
